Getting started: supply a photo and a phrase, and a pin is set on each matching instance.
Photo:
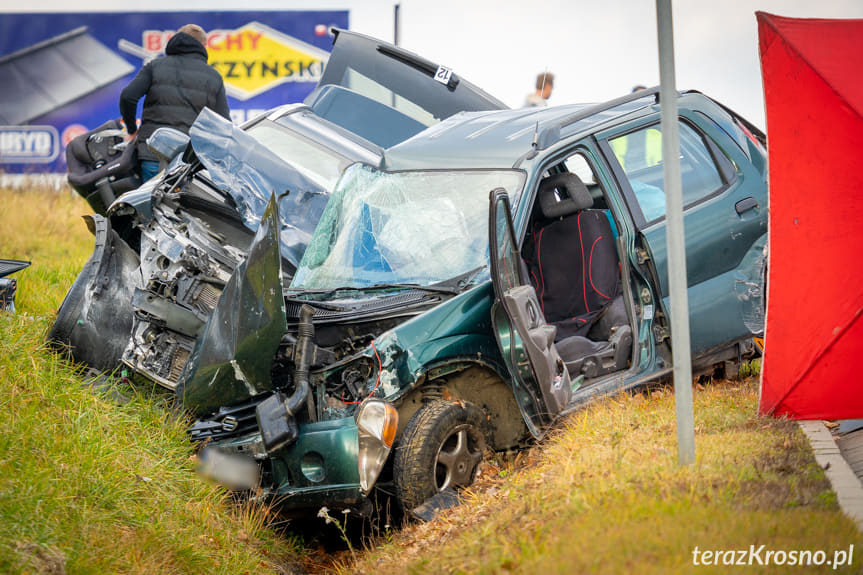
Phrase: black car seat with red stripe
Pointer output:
(573, 265)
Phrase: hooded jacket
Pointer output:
(177, 87)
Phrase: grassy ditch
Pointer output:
(89, 484)
(92, 485)
(604, 494)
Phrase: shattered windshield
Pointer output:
(402, 228)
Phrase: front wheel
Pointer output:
(441, 448)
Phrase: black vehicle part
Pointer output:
(277, 414)
(95, 319)
(432, 507)
(9, 286)
(8, 267)
(595, 358)
(233, 421)
(441, 448)
(278, 426)
(302, 356)
(100, 167)
(571, 256)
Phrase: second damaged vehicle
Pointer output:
(165, 251)
(486, 276)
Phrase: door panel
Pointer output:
(724, 219)
(542, 384)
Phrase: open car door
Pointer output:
(540, 380)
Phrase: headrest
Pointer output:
(562, 195)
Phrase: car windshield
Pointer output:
(420, 228)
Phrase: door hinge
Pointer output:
(660, 333)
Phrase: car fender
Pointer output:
(95, 319)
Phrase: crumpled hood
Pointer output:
(251, 174)
(231, 361)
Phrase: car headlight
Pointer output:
(377, 422)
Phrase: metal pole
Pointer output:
(396, 22)
(674, 235)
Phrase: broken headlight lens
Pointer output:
(377, 422)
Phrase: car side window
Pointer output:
(639, 153)
(579, 165)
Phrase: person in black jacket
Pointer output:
(177, 87)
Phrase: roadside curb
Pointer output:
(846, 485)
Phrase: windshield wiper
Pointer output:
(432, 288)
(453, 286)
(386, 286)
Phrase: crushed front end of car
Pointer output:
(295, 390)
(165, 252)
(389, 311)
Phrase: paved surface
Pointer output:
(841, 457)
(851, 446)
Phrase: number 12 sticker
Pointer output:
(443, 74)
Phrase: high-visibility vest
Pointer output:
(652, 148)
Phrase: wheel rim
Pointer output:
(458, 457)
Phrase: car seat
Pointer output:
(572, 262)
(100, 167)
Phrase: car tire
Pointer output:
(440, 449)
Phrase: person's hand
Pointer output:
(129, 137)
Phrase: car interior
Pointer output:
(571, 259)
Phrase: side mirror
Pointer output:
(167, 143)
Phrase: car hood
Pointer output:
(250, 173)
(232, 358)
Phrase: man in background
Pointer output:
(544, 85)
(175, 89)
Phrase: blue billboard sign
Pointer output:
(63, 73)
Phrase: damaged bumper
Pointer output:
(333, 462)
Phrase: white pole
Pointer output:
(680, 346)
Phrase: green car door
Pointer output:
(725, 220)
(541, 383)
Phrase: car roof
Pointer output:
(509, 138)
(504, 138)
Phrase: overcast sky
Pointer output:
(597, 50)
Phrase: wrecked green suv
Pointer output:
(490, 274)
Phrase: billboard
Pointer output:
(63, 73)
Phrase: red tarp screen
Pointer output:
(813, 88)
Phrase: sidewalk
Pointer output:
(841, 457)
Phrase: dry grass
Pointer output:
(88, 486)
(44, 227)
(604, 494)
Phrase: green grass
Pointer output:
(87, 483)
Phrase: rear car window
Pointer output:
(639, 153)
